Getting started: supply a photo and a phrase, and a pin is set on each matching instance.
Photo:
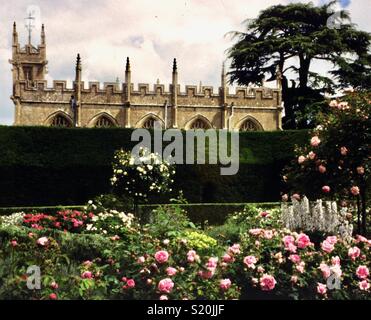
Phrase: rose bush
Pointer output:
(335, 164)
(267, 262)
(141, 176)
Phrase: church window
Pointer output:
(104, 122)
(60, 121)
(249, 125)
(149, 123)
(199, 124)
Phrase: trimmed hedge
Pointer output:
(209, 213)
(42, 166)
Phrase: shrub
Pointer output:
(141, 176)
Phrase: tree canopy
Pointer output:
(288, 39)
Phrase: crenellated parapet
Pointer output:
(134, 105)
(143, 93)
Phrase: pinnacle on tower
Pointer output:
(15, 34)
(78, 62)
(42, 34)
(127, 65)
(175, 68)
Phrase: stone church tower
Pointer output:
(124, 105)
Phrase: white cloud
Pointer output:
(151, 32)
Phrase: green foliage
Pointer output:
(34, 174)
(239, 222)
(198, 241)
(169, 221)
(301, 31)
(141, 176)
(339, 166)
(94, 266)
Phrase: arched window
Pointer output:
(149, 123)
(249, 125)
(104, 122)
(199, 124)
(61, 121)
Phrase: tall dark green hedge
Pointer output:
(42, 166)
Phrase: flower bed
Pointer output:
(178, 261)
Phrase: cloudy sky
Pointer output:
(151, 32)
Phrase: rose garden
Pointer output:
(311, 245)
(84, 218)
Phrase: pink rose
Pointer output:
(301, 159)
(303, 241)
(360, 238)
(300, 267)
(87, 275)
(225, 284)
(268, 234)
(87, 263)
(130, 283)
(311, 155)
(315, 141)
(54, 285)
(291, 248)
(326, 189)
(354, 191)
(161, 256)
(192, 256)
(322, 169)
(362, 272)
(326, 271)
(332, 239)
(321, 288)
(14, 243)
(235, 249)
(360, 170)
(354, 253)
(364, 285)
(53, 296)
(250, 261)
(141, 260)
(207, 274)
(255, 232)
(212, 263)
(164, 297)
(115, 238)
(344, 151)
(267, 282)
(43, 241)
(228, 258)
(171, 271)
(294, 279)
(260, 269)
(335, 261)
(327, 246)
(166, 285)
(264, 214)
(295, 258)
(287, 240)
